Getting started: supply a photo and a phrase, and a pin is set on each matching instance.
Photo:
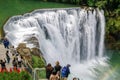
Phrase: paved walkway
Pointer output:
(3, 56)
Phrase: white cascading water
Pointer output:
(72, 35)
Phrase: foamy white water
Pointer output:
(73, 35)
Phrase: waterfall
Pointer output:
(71, 35)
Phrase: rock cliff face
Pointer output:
(32, 40)
(36, 51)
(27, 52)
(24, 52)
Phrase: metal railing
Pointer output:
(32, 71)
(27, 66)
(35, 75)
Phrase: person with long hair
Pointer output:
(49, 70)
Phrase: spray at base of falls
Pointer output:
(71, 35)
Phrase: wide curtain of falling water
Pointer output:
(71, 35)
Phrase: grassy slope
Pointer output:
(10, 8)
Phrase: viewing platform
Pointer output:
(26, 66)
(3, 56)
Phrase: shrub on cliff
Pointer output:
(38, 62)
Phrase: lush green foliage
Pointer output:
(15, 76)
(112, 14)
(41, 74)
(10, 8)
(38, 62)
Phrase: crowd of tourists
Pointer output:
(52, 73)
(11, 57)
(57, 72)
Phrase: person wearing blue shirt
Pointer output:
(6, 43)
(65, 72)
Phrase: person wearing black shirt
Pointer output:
(3, 66)
(57, 67)
(49, 70)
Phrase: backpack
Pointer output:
(64, 72)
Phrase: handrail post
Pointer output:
(34, 72)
